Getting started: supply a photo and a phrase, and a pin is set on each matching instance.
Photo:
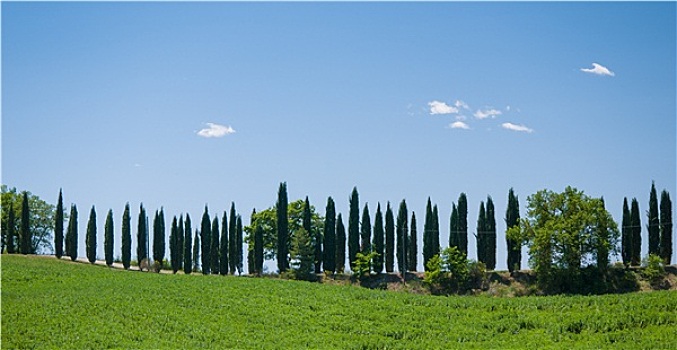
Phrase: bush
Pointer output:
(452, 272)
(653, 268)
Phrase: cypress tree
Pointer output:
(223, 268)
(653, 224)
(379, 236)
(126, 238)
(90, 238)
(315, 240)
(216, 247)
(453, 227)
(58, 227)
(159, 246)
(187, 246)
(239, 243)
(482, 235)
(390, 239)
(282, 229)
(463, 224)
(196, 251)
(258, 249)
(353, 228)
(108, 238)
(626, 235)
(26, 235)
(141, 236)
(512, 216)
(180, 234)
(232, 240)
(602, 240)
(666, 228)
(340, 245)
(427, 235)
(412, 259)
(365, 246)
(636, 228)
(402, 232)
(491, 235)
(72, 234)
(205, 239)
(329, 262)
(11, 227)
(435, 232)
(174, 245)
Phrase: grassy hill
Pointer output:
(59, 304)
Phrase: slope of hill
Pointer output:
(51, 303)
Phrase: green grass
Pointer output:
(48, 303)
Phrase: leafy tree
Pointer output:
(174, 245)
(232, 240)
(453, 227)
(25, 233)
(490, 252)
(72, 234)
(365, 234)
(205, 238)
(90, 238)
(142, 236)
(412, 246)
(463, 224)
(603, 239)
(196, 251)
(188, 255)
(636, 229)
(666, 228)
(390, 240)
(126, 238)
(329, 262)
(11, 227)
(340, 245)
(58, 227)
(402, 233)
(215, 247)
(180, 244)
(512, 217)
(108, 238)
(353, 227)
(653, 224)
(41, 219)
(282, 228)
(482, 234)
(239, 245)
(626, 234)
(159, 239)
(379, 236)
(258, 250)
(223, 268)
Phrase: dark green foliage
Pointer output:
(653, 224)
(412, 245)
(379, 236)
(196, 251)
(427, 234)
(491, 235)
(142, 236)
(215, 247)
(282, 229)
(463, 224)
(205, 239)
(315, 237)
(340, 245)
(512, 216)
(90, 238)
(353, 227)
(453, 227)
(239, 246)
(108, 243)
(329, 258)
(25, 233)
(223, 268)
(435, 232)
(58, 227)
(390, 240)
(402, 227)
(40, 222)
(626, 235)
(187, 246)
(365, 234)
(174, 245)
(126, 238)
(636, 229)
(666, 228)
(258, 250)
(72, 234)
(302, 256)
(11, 225)
(180, 235)
(482, 234)
(232, 240)
(603, 240)
(159, 246)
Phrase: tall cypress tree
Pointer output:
(215, 247)
(626, 234)
(435, 232)
(365, 234)
(239, 243)
(205, 239)
(282, 228)
(379, 236)
(11, 228)
(602, 239)
(223, 269)
(636, 228)
(666, 228)
(174, 245)
(141, 236)
(90, 238)
(353, 228)
(390, 239)
(412, 246)
(427, 235)
(159, 246)
(258, 249)
(491, 235)
(58, 227)
(482, 235)
(26, 235)
(187, 246)
(653, 224)
(512, 216)
(402, 233)
(196, 251)
(72, 234)
(232, 240)
(108, 238)
(180, 234)
(453, 226)
(329, 262)
(315, 240)
(463, 224)
(340, 245)
(126, 238)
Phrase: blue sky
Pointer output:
(112, 103)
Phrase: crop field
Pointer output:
(48, 303)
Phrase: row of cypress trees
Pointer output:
(25, 236)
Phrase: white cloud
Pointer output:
(483, 114)
(515, 127)
(461, 104)
(459, 125)
(216, 130)
(437, 107)
(599, 70)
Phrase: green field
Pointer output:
(48, 303)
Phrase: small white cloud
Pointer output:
(461, 104)
(599, 70)
(216, 130)
(483, 114)
(437, 107)
(515, 127)
(459, 125)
